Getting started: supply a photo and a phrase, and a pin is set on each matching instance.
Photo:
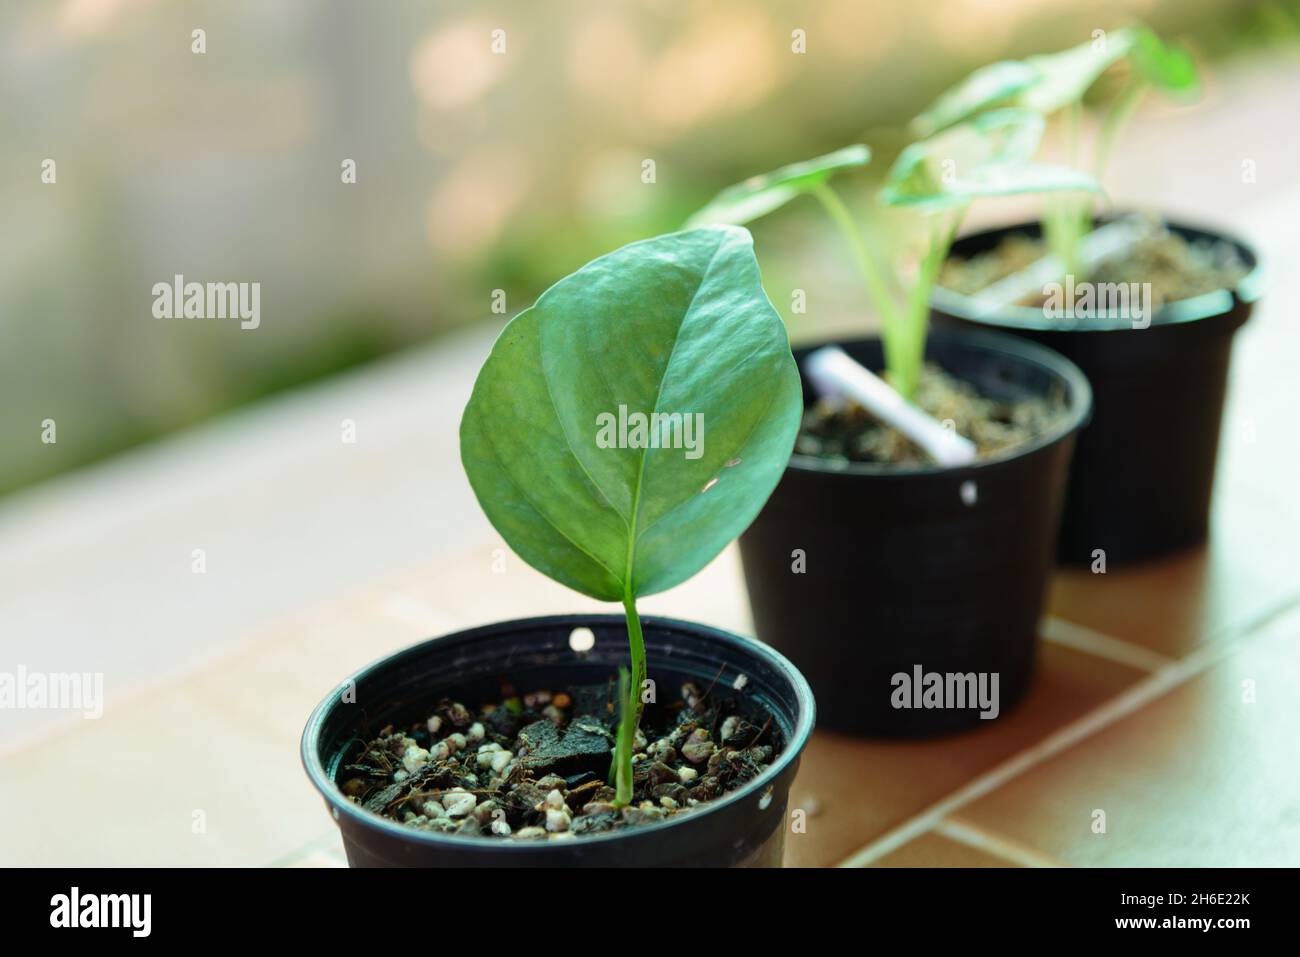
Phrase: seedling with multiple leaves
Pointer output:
(1056, 84)
(937, 178)
(676, 324)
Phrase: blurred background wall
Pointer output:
(476, 170)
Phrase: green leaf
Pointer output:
(986, 156)
(675, 324)
(987, 87)
(1166, 67)
(1005, 179)
(1068, 75)
(759, 195)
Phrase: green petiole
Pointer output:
(630, 705)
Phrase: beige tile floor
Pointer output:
(1165, 699)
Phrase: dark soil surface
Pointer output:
(1175, 268)
(849, 433)
(536, 766)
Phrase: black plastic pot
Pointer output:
(944, 568)
(1143, 471)
(743, 828)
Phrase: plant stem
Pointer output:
(1114, 122)
(872, 275)
(918, 303)
(630, 705)
(1067, 216)
(1073, 130)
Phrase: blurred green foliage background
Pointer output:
(476, 170)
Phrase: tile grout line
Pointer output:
(1122, 705)
(1128, 701)
(1080, 638)
(991, 842)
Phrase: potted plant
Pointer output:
(623, 430)
(880, 571)
(1147, 307)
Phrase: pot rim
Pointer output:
(1208, 305)
(805, 719)
(1080, 409)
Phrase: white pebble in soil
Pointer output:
(687, 775)
(501, 828)
(698, 747)
(476, 732)
(556, 821)
(458, 802)
(729, 727)
(414, 759)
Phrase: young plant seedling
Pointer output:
(937, 178)
(668, 328)
(1057, 83)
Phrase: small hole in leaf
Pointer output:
(582, 639)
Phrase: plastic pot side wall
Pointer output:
(1143, 473)
(942, 568)
(743, 828)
